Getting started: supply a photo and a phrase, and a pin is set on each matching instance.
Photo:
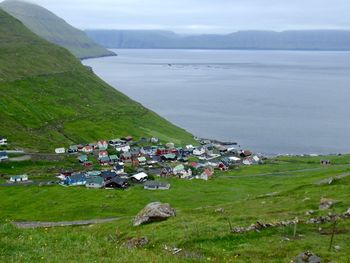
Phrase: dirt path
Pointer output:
(38, 224)
(20, 158)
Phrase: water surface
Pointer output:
(269, 101)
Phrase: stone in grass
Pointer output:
(307, 257)
(136, 242)
(326, 203)
(155, 211)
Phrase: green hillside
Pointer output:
(54, 29)
(49, 99)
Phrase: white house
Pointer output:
(19, 178)
(198, 151)
(123, 148)
(3, 141)
(140, 176)
(60, 150)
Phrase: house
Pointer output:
(325, 162)
(170, 145)
(127, 138)
(3, 156)
(206, 174)
(140, 177)
(102, 145)
(135, 152)
(116, 142)
(83, 158)
(19, 178)
(104, 160)
(107, 175)
(186, 174)
(166, 171)
(162, 151)
(189, 147)
(75, 179)
(168, 157)
(125, 157)
(183, 159)
(60, 150)
(142, 160)
(119, 168)
(88, 164)
(245, 153)
(113, 159)
(73, 149)
(154, 140)
(102, 154)
(93, 173)
(117, 182)
(222, 166)
(66, 172)
(87, 149)
(178, 169)
(3, 141)
(94, 182)
(156, 185)
(122, 148)
(199, 151)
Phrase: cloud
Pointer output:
(203, 16)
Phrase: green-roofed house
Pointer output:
(94, 182)
(83, 158)
(104, 160)
(113, 159)
(168, 157)
(142, 160)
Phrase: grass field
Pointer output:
(198, 229)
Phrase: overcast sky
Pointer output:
(203, 16)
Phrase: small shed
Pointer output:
(3, 156)
(60, 150)
(19, 178)
(156, 185)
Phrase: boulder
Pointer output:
(326, 203)
(307, 257)
(154, 212)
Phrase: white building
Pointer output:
(3, 141)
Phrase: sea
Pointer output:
(271, 102)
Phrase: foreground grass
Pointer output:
(198, 229)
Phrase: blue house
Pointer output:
(75, 179)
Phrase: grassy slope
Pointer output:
(54, 29)
(200, 231)
(49, 99)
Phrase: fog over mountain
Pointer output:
(287, 40)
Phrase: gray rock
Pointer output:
(326, 203)
(154, 212)
(136, 242)
(308, 257)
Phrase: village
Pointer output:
(123, 162)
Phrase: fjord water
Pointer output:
(274, 102)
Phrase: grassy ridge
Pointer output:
(50, 99)
(198, 229)
(54, 29)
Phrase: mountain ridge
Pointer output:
(251, 39)
(54, 29)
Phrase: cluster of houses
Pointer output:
(150, 157)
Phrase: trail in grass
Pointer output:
(37, 224)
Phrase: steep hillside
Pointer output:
(49, 99)
(54, 29)
(288, 40)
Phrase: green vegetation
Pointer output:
(54, 29)
(198, 229)
(50, 100)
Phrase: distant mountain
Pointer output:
(49, 99)
(287, 40)
(54, 29)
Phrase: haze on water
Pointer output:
(274, 102)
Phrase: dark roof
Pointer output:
(2, 154)
(108, 174)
